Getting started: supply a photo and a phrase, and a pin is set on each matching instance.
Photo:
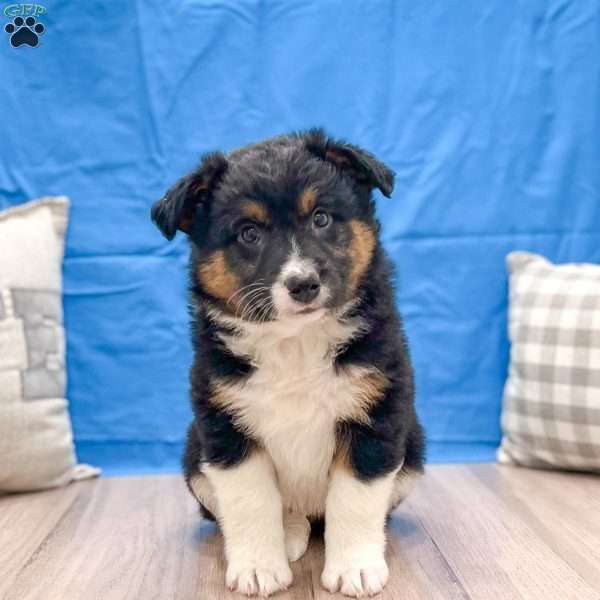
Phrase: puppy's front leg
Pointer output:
(251, 518)
(355, 514)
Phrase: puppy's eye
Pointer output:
(320, 219)
(249, 234)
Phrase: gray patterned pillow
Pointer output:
(36, 445)
(551, 412)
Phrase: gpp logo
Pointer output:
(25, 28)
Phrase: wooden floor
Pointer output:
(476, 532)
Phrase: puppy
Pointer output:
(302, 386)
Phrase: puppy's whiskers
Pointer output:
(267, 309)
(244, 288)
(251, 301)
(259, 305)
(248, 294)
(249, 307)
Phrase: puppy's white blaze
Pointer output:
(251, 518)
(296, 266)
(295, 246)
(354, 533)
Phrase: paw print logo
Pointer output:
(24, 31)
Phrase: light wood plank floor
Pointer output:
(479, 532)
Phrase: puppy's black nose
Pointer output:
(303, 289)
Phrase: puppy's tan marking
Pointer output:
(341, 460)
(221, 396)
(370, 387)
(307, 201)
(360, 252)
(216, 278)
(256, 211)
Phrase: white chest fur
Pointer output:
(294, 399)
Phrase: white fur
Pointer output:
(297, 532)
(204, 493)
(296, 526)
(300, 267)
(251, 518)
(354, 534)
(296, 264)
(294, 398)
(291, 404)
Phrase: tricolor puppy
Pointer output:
(302, 386)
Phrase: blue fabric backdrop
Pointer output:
(489, 112)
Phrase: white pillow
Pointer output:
(551, 411)
(36, 445)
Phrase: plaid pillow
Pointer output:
(551, 412)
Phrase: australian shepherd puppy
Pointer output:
(302, 386)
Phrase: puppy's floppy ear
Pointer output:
(177, 209)
(359, 164)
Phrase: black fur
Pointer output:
(176, 210)
(206, 205)
(394, 433)
(361, 165)
(217, 439)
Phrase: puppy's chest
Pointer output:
(292, 403)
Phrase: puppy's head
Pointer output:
(281, 228)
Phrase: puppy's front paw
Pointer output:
(258, 580)
(355, 579)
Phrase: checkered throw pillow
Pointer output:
(551, 412)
